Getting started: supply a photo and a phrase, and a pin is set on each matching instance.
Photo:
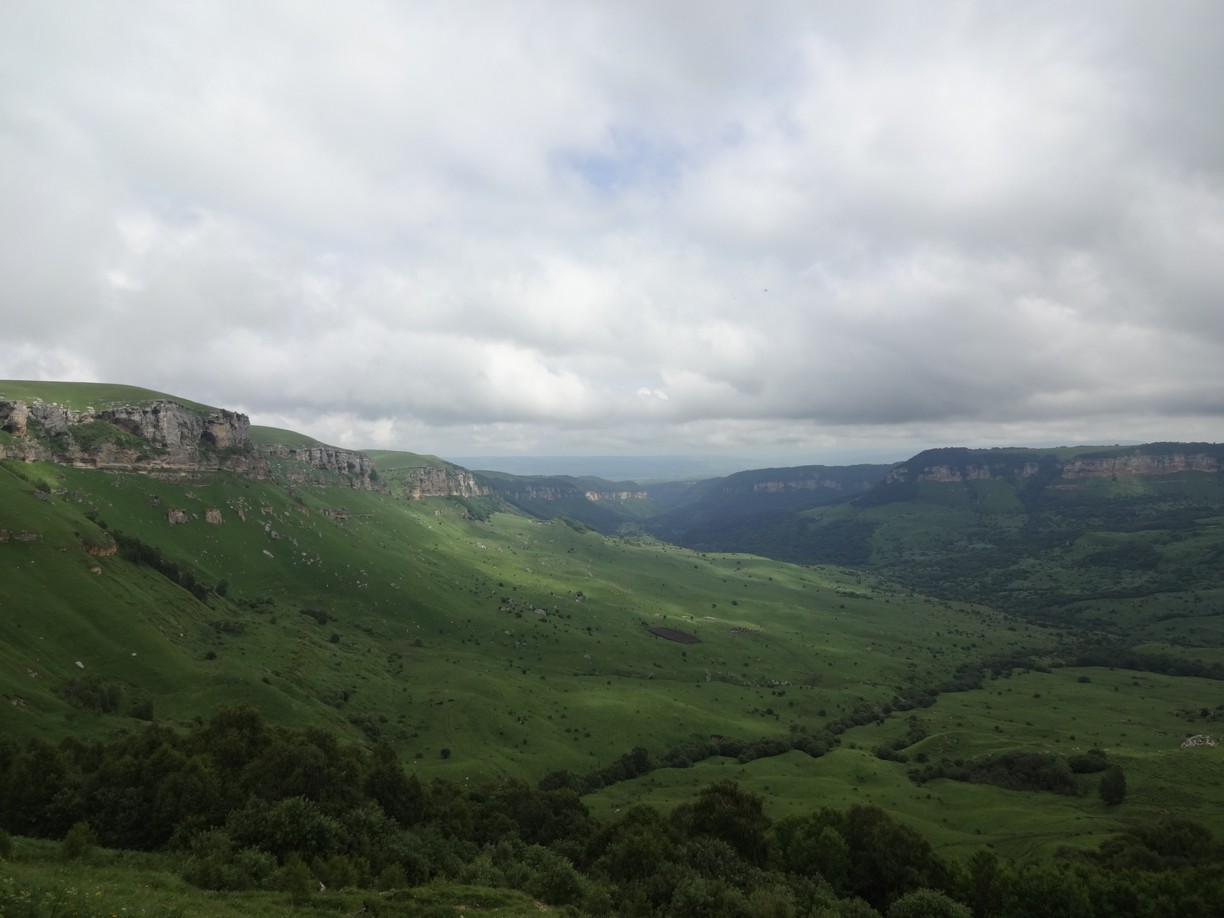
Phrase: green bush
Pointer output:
(296, 879)
(79, 841)
(928, 903)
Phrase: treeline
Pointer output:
(639, 761)
(137, 552)
(801, 738)
(246, 805)
(1117, 655)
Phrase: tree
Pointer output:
(79, 841)
(726, 812)
(928, 903)
(1113, 786)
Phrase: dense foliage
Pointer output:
(247, 805)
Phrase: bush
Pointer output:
(1113, 786)
(296, 879)
(79, 841)
(928, 903)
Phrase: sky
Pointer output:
(793, 232)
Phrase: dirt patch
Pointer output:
(673, 634)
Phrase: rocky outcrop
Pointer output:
(954, 473)
(797, 484)
(596, 496)
(159, 436)
(358, 468)
(441, 481)
(1128, 466)
(980, 465)
(13, 418)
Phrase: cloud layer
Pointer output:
(781, 229)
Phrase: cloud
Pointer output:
(783, 229)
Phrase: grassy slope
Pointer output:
(449, 633)
(106, 884)
(1140, 720)
(278, 436)
(83, 396)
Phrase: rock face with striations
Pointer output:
(437, 481)
(357, 467)
(960, 465)
(162, 435)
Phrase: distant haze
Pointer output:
(615, 468)
(778, 232)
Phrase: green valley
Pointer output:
(952, 653)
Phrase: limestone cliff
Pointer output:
(960, 465)
(159, 436)
(358, 468)
(440, 481)
(595, 496)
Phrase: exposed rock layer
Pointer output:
(981, 467)
(160, 436)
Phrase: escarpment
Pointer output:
(358, 468)
(961, 465)
(160, 436)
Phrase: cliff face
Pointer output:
(533, 492)
(1126, 466)
(357, 467)
(979, 466)
(436, 481)
(797, 484)
(162, 435)
(596, 496)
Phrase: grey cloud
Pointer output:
(773, 228)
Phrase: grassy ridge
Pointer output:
(89, 396)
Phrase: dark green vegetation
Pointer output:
(275, 815)
(1011, 708)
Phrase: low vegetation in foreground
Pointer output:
(236, 816)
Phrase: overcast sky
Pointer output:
(794, 231)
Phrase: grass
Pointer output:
(1139, 719)
(428, 614)
(38, 881)
(88, 396)
(276, 436)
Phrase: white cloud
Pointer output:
(773, 229)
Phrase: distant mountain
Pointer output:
(758, 511)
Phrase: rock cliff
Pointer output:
(441, 481)
(162, 435)
(595, 496)
(981, 465)
(358, 468)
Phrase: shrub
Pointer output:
(928, 903)
(79, 841)
(1113, 786)
(295, 879)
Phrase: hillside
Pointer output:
(402, 603)
(325, 589)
